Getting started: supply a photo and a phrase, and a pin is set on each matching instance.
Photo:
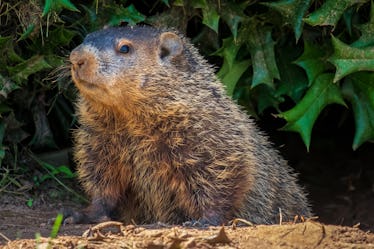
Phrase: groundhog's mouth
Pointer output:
(79, 81)
(86, 84)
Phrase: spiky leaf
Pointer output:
(231, 75)
(293, 12)
(233, 15)
(367, 32)
(129, 15)
(266, 97)
(22, 71)
(57, 6)
(293, 81)
(211, 18)
(7, 51)
(261, 47)
(330, 12)
(228, 51)
(348, 59)
(301, 118)
(231, 70)
(312, 60)
(359, 90)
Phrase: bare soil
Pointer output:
(341, 191)
(309, 234)
(19, 225)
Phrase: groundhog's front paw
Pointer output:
(83, 217)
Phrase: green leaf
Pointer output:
(66, 171)
(179, 3)
(57, 6)
(293, 12)
(211, 18)
(302, 117)
(231, 70)
(61, 36)
(293, 81)
(27, 32)
(367, 32)
(199, 4)
(347, 17)
(358, 89)
(261, 47)
(30, 202)
(266, 97)
(56, 226)
(330, 12)
(312, 60)
(24, 69)
(233, 15)
(129, 15)
(230, 77)
(7, 49)
(166, 2)
(228, 51)
(348, 59)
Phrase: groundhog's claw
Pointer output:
(84, 217)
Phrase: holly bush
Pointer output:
(308, 54)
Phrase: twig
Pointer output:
(5, 237)
(237, 220)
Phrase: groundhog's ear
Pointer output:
(171, 46)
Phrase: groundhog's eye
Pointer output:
(124, 49)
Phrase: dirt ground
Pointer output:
(340, 187)
(309, 234)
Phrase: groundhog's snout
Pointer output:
(78, 59)
(84, 64)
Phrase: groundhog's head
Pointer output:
(121, 62)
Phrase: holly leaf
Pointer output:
(57, 6)
(230, 77)
(293, 80)
(358, 89)
(232, 69)
(293, 12)
(61, 36)
(348, 59)
(23, 70)
(367, 32)
(312, 61)
(266, 97)
(129, 15)
(7, 51)
(233, 15)
(330, 12)
(261, 47)
(302, 117)
(228, 51)
(211, 18)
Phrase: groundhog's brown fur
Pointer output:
(160, 141)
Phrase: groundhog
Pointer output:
(160, 141)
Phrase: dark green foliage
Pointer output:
(307, 53)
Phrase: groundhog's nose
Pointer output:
(77, 58)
